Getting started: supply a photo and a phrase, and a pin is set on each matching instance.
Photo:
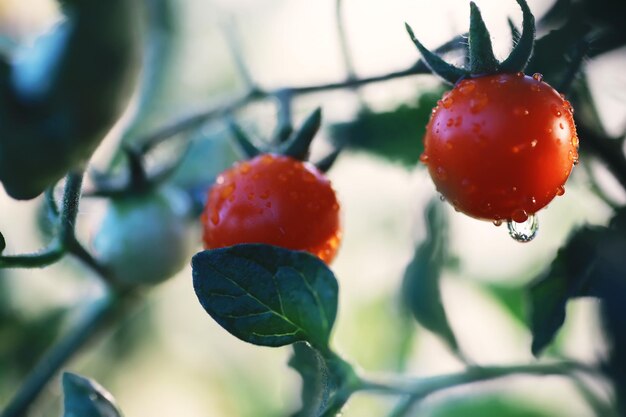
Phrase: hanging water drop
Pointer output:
(526, 231)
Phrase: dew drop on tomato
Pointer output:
(525, 231)
(560, 190)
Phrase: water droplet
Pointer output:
(573, 157)
(560, 190)
(441, 197)
(537, 77)
(520, 111)
(441, 173)
(519, 74)
(561, 126)
(447, 102)
(335, 207)
(516, 149)
(487, 206)
(575, 141)
(220, 180)
(525, 231)
(424, 158)
(532, 200)
(497, 222)
(215, 217)
(556, 111)
(450, 122)
(533, 143)
(467, 87)
(458, 121)
(478, 103)
(535, 88)
(519, 216)
(227, 191)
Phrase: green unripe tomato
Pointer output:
(145, 239)
(60, 97)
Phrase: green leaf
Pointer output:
(571, 275)
(511, 298)
(267, 295)
(421, 278)
(325, 380)
(299, 144)
(84, 397)
(438, 66)
(481, 57)
(395, 135)
(522, 52)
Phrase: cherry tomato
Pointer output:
(500, 147)
(276, 200)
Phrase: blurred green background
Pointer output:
(169, 358)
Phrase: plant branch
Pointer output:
(343, 41)
(57, 248)
(198, 118)
(95, 319)
(416, 389)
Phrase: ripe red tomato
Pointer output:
(500, 147)
(276, 200)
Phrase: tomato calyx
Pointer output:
(294, 144)
(481, 58)
(135, 180)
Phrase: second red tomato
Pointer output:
(501, 147)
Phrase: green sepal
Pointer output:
(515, 33)
(521, 53)
(481, 57)
(136, 168)
(3, 243)
(284, 129)
(85, 397)
(242, 139)
(298, 146)
(327, 162)
(448, 72)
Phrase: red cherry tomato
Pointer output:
(275, 200)
(501, 147)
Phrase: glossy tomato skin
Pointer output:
(501, 147)
(275, 200)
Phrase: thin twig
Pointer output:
(57, 248)
(426, 386)
(198, 118)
